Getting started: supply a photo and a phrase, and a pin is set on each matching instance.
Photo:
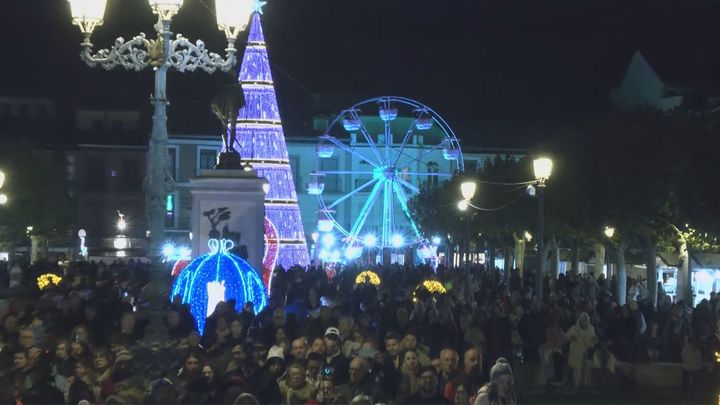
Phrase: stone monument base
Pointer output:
(229, 204)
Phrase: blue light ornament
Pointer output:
(218, 276)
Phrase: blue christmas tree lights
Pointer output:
(261, 142)
(218, 276)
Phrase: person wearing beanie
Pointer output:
(499, 391)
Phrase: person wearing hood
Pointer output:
(500, 389)
(582, 341)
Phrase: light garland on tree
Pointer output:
(47, 279)
(218, 276)
(368, 276)
(261, 139)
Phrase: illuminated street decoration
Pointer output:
(218, 276)
(432, 288)
(271, 253)
(48, 279)
(396, 143)
(261, 142)
(368, 277)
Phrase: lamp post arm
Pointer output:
(184, 56)
(131, 55)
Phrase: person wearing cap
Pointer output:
(499, 391)
(334, 359)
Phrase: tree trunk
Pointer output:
(651, 266)
(519, 254)
(599, 258)
(683, 289)
(34, 248)
(575, 257)
(621, 285)
(556, 257)
(507, 254)
(491, 257)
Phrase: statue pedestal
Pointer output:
(229, 204)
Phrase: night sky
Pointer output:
(471, 61)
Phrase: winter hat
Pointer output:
(332, 331)
(123, 355)
(501, 368)
(276, 352)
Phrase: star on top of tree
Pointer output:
(258, 5)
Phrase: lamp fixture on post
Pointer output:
(467, 189)
(542, 168)
(161, 53)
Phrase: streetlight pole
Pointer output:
(543, 169)
(161, 53)
(541, 240)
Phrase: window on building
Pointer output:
(331, 181)
(295, 168)
(170, 211)
(207, 159)
(171, 162)
(96, 174)
(432, 178)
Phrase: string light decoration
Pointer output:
(218, 276)
(432, 288)
(260, 137)
(47, 279)
(368, 277)
(272, 246)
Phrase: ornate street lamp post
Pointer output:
(543, 169)
(161, 53)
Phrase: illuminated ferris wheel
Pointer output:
(372, 159)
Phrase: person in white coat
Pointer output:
(582, 341)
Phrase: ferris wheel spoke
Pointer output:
(350, 194)
(404, 142)
(410, 186)
(364, 212)
(366, 135)
(425, 174)
(402, 199)
(348, 149)
(387, 228)
(326, 172)
(427, 152)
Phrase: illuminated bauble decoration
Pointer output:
(48, 279)
(368, 277)
(218, 276)
(178, 267)
(429, 287)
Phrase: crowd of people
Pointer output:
(326, 338)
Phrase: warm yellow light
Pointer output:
(46, 279)
(2, 178)
(467, 189)
(368, 276)
(528, 236)
(233, 15)
(463, 205)
(609, 231)
(165, 9)
(92, 11)
(542, 168)
(87, 14)
(3, 199)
